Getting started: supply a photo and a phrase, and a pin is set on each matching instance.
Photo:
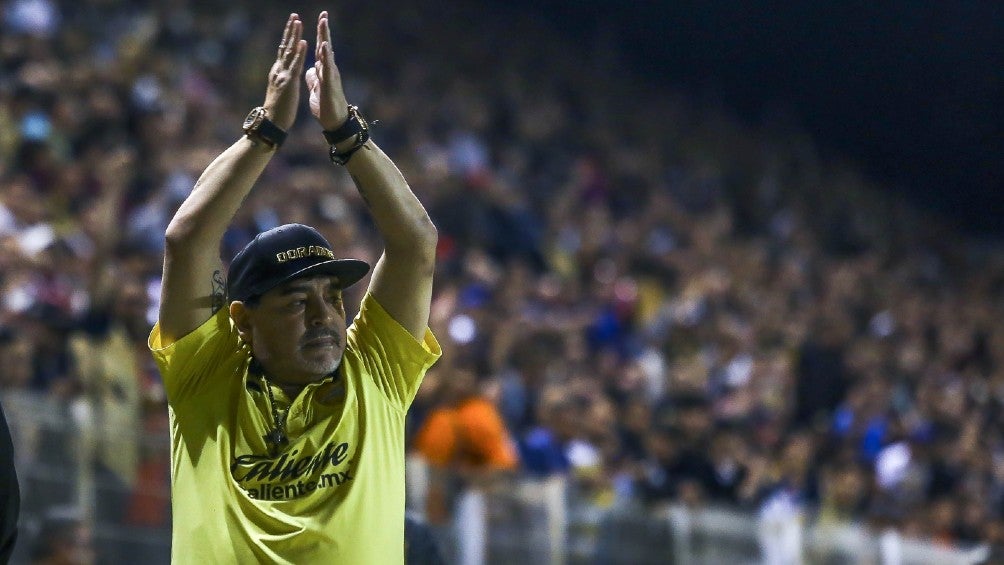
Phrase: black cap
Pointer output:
(284, 253)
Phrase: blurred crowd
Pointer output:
(639, 292)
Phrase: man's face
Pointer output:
(297, 330)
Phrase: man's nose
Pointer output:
(321, 313)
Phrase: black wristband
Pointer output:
(352, 127)
(355, 128)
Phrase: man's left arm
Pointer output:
(402, 278)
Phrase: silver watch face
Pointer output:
(254, 119)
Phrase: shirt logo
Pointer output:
(293, 474)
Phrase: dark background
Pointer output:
(910, 91)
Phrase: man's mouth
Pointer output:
(323, 340)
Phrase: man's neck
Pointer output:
(292, 390)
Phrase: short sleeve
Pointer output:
(191, 363)
(389, 354)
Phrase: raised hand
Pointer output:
(327, 99)
(283, 92)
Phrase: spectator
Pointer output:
(470, 450)
(543, 449)
(624, 260)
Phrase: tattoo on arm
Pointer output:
(218, 294)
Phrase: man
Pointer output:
(288, 427)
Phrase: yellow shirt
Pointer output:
(336, 492)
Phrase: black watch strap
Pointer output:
(258, 127)
(353, 126)
(271, 133)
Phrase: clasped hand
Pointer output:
(324, 82)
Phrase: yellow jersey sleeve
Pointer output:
(196, 360)
(390, 355)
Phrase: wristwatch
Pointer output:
(355, 127)
(258, 127)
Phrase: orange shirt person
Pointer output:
(464, 438)
(468, 435)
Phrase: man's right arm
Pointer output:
(193, 282)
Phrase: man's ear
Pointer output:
(242, 320)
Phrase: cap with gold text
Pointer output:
(284, 253)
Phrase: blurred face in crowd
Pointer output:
(797, 455)
(637, 416)
(297, 330)
(131, 303)
(942, 515)
(560, 416)
(726, 445)
(695, 421)
(662, 446)
(16, 358)
(847, 487)
(459, 385)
